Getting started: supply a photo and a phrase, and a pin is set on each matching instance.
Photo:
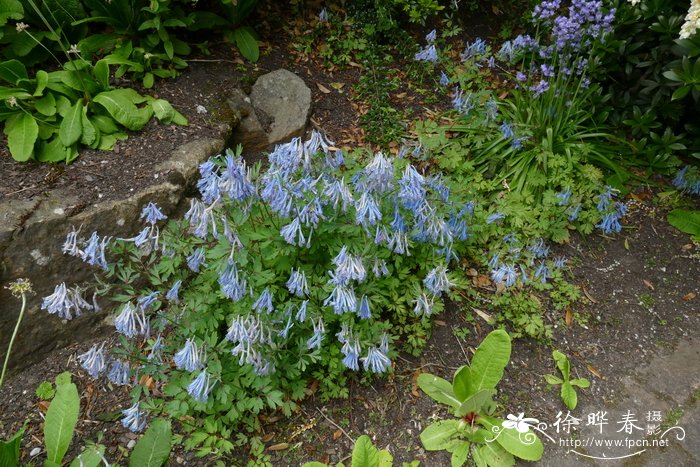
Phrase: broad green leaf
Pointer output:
(460, 382)
(89, 133)
(475, 403)
(569, 396)
(22, 131)
(162, 110)
(439, 435)
(244, 37)
(385, 458)
(107, 141)
(489, 361)
(90, 457)
(12, 71)
(63, 378)
(120, 104)
(685, 221)
(52, 151)
(681, 92)
(460, 454)
(9, 450)
(525, 446)
(72, 125)
(552, 379)
(493, 454)
(42, 79)
(562, 363)
(583, 383)
(102, 73)
(439, 389)
(60, 422)
(148, 80)
(314, 464)
(10, 9)
(63, 105)
(46, 105)
(104, 123)
(365, 454)
(154, 448)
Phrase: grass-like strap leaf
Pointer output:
(154, 448)
(72, 125)
(121, 105)
(685, 221)
(22, 131)
(9, 450)
(244, 37)
(60, 422)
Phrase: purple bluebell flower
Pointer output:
(264, 302)
(200, 387)
(319, 334)
(506, 130)
(196, 259)
(496, 216)
(297, 283)
(424, 305)
(428, 54)
(172, 294)
(93, 361)
(189, 357)
(363, 310)
(376, 361)
(118, 373)
(540, 88)
(134, 419)
(152, 214)
(546, 9)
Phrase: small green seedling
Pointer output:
(568, 393)
(365, 454)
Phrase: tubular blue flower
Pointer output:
(428, 54)
(367, 211)
(94, 253)
(118, 373)
(323, 16)
(134, 419)
(173, 293)
(680, 182)
(559, 262)
(430, 38)
(398, 224)
(145, 302)
(506, 53)
(125, 323)
(264, 302)
(460, 104)
(319, 334)
(506, 130)
(70, 246)
(505, 273)
(604, 199)
(424, 305)
(188, 358)
(208, 184)
(573, 212)
(376, 361)
(93, 361)
(478, 47)
(285, 331)
(542, 272)
(411, 188)
(196, 259)
(563, 197)
(348, 267)
(491, 62)
(610, 223)
(234, 180)
(496, 216)
(444, 80)
(398, 243)
(381, 235)
(156, 353)
(144, 237)
(539, 249)
(57, 302)
(312, 213)
(518, 142)
(297, 283)
(437, 281)
(152, 214)
(232, 285)
(491, 110)
(301, 313)
(342, 299)
(364, 311)
(379, 268)
(337, 192)
(200, 387)
(378, 175)
(293, 234)
(276, 195)
(351, 349)
(540, 88)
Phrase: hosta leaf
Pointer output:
(22, 131)
(72, 127)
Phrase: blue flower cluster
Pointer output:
(611, 212)
(687, 180)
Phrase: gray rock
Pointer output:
(249, 133)
(284, 101)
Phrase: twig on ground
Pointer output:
(335, 425)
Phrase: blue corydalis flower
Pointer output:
(297, 283)
(156, 353)
(428, 54)
(542, 272)
(145, 302)
(378, 175)
(379, 268)
(563, 197)
(412, 189)
(208, 184)
(70, 245)
(559, 262)
(152, 214)
(348, 267)
(367, 211)
(351, 349)
(342, 299)
(134, 419)
(234, 180)
(364, 311)
(323, 16)
(496, 216)
(505, 273)
(604, 199)
(94, 253)
(173, 293)
(539, 249)
(376, 361)
(232, 285)
(424, 305)
(437, 281)
(301, 312)
(126, 322)
(478, 47)
(338, 193)
(264, 302)
(319, 334)
(118, 373)
(200, 387)
(93, 361)
(188, 358)
(63, 302)
(444, 79)
(293, 234)
(196, 259)
(491, 62)
(610, 223)
(573, 212)
(459, 103)
(430, 38)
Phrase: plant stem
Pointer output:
(12, 339)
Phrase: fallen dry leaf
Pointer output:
(414, 383)
(485, 316)
(589, 296)
(338, 86)
(267, 437)
(440, 322)
(323, 89)
(648, 284)
(278, 447)
(569, 317)
(337, 434)
(689, 296)
(594, 371)
(44, 406)
(147, 381)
